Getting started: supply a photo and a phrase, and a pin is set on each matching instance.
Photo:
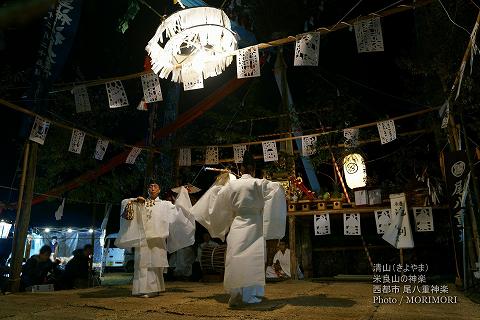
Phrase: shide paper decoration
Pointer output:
(132, 156)
(151, 88)
(76, 142)
(386, 131)
(423, 218)
(116, 94)
(248, 63)
(39, 130)
(307, 49)
(200, 36)
(100, 149)
(322, 224)
(355, 171)
(82, 101)
(309, 145)
(399, 232)
(269, 151)
(185, 157)
(351, 224)
(351, 137)
(369, 35)
(211, 155)
(192, 78)
(382, 220)
(238, 151)
(59, 212)
(445, 114)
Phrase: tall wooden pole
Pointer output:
(23, 219)
(293, 247)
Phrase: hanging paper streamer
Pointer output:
(351, 137)
(386, 131)
(185, 157)
(309, 144)
(116, 94)
(351, 224)
(39, 130)
(382, 219)
(269, 151)
(423, 218)
(59, 212)
(132, 156)
(307, 49)
(76, 142)
(100, 149)
(238, 151)
(322, 224)
(192, 79)
(399, 232)
(151, 88)
(355, 171)
(82, 101)
(248, 63)
(369, 35)
(361, 197)
(445, 114)
(211, 155)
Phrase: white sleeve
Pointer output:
(274, 211)
(182, 223)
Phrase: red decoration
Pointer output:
(298, 183)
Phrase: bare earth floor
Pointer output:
(290, 300)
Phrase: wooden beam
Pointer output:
(293, 251)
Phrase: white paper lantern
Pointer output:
(192, 41)
(355, 171)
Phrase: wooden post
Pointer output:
(306, 249)
(23, 219)
(293, 251)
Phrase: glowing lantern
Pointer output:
(355, 171)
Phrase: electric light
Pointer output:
(47, 230)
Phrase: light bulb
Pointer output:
(69, 230)
(47, 230)
(90, 230)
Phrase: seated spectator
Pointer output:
(281, 263)
(77, 270)
(37, 268)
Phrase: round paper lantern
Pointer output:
(355, 171)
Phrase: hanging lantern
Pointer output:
(192, 43)
(355, 171)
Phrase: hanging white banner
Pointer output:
(185, 157)
(368, 34)
(351, 224)
(321, 224)
(423, 218)
(211, 155)
(116, 94)
(151, 88)
(82, 101)
(100, 149)
(39, 130)
(76, 141)
(248, 62)
(382, 220)
(399, 232)
(132, 156)
(269, 151)
(351, 137)
(386, 131)
(309, 144)
(307, 48)
(238, 151)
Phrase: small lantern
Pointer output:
(355, 171)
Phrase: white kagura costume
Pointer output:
(251, 211)
(157, 227)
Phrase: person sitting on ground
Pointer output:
(77, 270)
(281, 263)
(37, 268)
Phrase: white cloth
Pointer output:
(284, 259)
(182, 260)
(152, 232)
(253, 210)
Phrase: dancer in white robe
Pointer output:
(251, 211)
(153, 227)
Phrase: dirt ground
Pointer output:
(290, 300)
